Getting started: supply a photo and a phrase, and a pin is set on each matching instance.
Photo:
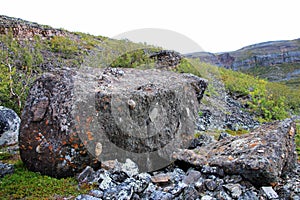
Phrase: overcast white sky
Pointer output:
(215, 25)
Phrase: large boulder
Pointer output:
(261, 156)
(75, 119)
(9, 127)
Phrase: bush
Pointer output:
(64, 45)
(18, 69)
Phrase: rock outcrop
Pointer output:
(166, 59)
(266, 54)
(261, 156)
(22, 29)
(9, 127)
(75, 119)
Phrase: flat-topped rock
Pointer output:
(75, 119)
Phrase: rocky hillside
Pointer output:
(275, 60)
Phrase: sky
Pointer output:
(208, 25)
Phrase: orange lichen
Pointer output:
(90, 135)
(230, 158)
(253, 144)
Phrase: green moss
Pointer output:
(30, 185)
(5, 155)
(237, 133)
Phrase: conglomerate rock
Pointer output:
(75, 119)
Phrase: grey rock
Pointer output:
(130, 168)
(177, 175)
(96, 193)
(189, 193)
(9, 127)
(72, 119)
(176, 189)
(122, 191)
(223, 195)
(249, 195)
(86, 197)
(234, 189)
(105, 182)
(192, 177)
(161, 195)
(224, 135)
(206, 169)
(207, 197)
(6, 169)
(262, 156)
(210, 184)
(269, 192)
(199, 185)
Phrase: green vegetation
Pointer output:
(268, 100)
(137, 58)
(65, 46)
(237, 133)
(18, 69)
(31, 185)
(186, 66)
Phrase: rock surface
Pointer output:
(261, 157)
(75, 119)
(9, 127)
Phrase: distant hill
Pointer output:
(275, 60)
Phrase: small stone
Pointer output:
(130, 168)
(207, 197)
(199, 185)
(98, 149)
(234, 189)
(189, 193)
(109, 164)
(206, 169)
(6, 169)
(131, 104)
(85, 174)
(223, 195)
(269, 192)
(210, 184)
(105, 181)
(249, 195)
(192, 177)
(160, 178)
(224, 135)
(86, 197)
(161, 195)
(96, 193)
